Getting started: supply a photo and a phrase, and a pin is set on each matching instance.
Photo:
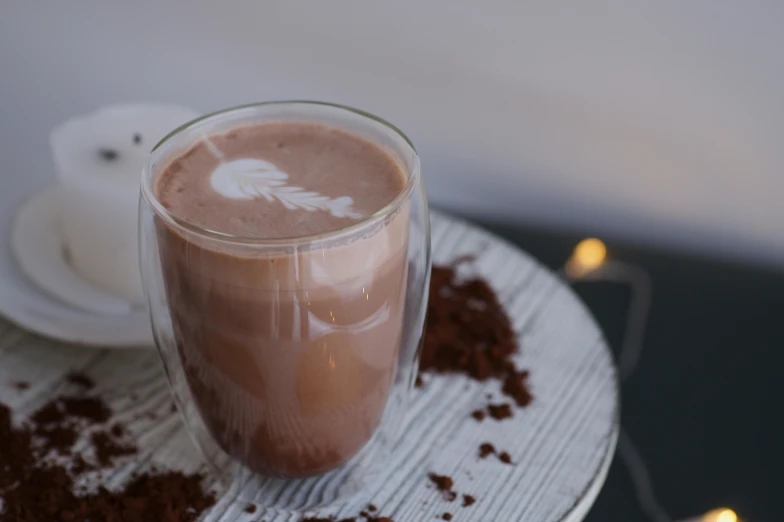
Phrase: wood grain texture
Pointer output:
(561, 445)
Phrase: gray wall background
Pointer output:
(658, 121)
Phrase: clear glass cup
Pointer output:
(291, 360)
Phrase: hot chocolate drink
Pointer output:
(289, 330)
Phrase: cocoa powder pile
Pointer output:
(469, 332)
(499, 411)
(39, 468)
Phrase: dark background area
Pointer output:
(704, 407)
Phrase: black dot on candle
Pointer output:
(108, 154)
(137, 139)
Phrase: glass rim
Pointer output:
(148, 194)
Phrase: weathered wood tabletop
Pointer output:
(561, 445)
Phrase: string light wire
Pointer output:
(588, 263)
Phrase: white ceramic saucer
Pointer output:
(40, 292)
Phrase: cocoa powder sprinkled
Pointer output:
(56, 439)
(107, 449)
(469, 332)
(117, 430)
(505, 457)
(468, 500)
(89, 408)
(36, 489)
(479, 415)
(500, 411)
(486, 449)
(516, 387)
(49, 413)
(80, 379)
(442, 482)
(52, 429)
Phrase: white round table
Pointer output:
(561, 445)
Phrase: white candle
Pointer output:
(99, 159)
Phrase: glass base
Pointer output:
(299, 495)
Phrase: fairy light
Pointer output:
(588, 256)
(727, 515)
(589, 262)
(716, 515)
(721, 515)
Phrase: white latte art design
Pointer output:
(251, 178)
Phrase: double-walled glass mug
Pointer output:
(290, 359)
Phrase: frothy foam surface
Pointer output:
(278, 180)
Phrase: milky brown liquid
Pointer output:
(289, 353)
